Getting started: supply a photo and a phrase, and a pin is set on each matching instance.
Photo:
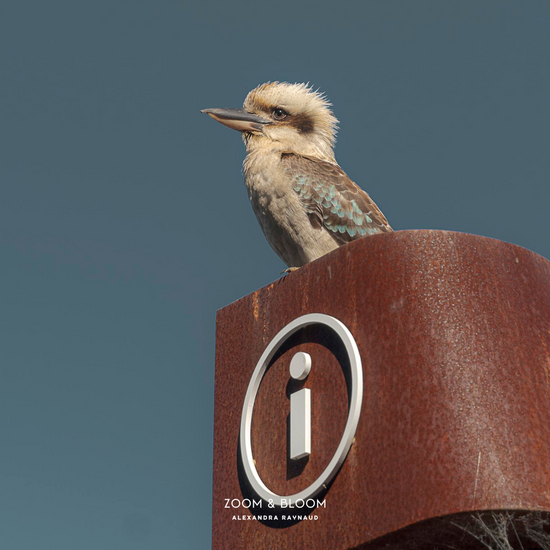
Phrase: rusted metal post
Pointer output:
(453, 333)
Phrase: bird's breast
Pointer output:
(282, 216)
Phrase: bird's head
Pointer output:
(286, 117)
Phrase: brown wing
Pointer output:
(333, 200)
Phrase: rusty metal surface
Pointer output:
(454, 334)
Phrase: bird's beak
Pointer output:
(238, 119)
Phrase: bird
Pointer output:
(304, 202)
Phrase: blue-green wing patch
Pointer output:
(332, 200)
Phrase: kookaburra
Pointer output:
(305, 203)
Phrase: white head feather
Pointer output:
(308, 127)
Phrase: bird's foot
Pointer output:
(288, 270)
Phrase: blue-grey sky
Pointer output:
(125, 225)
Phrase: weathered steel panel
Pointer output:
(454, 335)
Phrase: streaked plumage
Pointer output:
(304, 202)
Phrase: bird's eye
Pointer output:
(279, 114)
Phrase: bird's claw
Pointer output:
(288, 270)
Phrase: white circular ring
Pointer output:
(356, 400)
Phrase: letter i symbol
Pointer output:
(300, 409)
